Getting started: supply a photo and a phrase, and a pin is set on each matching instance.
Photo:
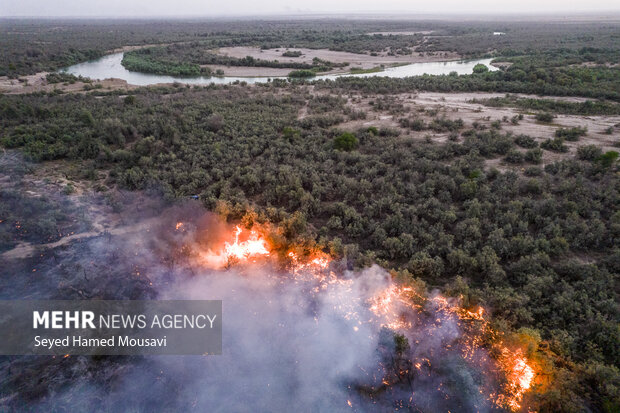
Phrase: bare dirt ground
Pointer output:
(355, 60)
(38, 83)
(405, 33)
(247, 71)
(26, 249)
(502, 65)
(430, 105)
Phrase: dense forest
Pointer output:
(540, 248)
(476, 214)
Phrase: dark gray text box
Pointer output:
(100, 327)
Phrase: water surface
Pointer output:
(110, 67)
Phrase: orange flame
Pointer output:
(318, 260)
(254, 246)
(519, 376)
(390, 308)
(514, 365)
(237, 251)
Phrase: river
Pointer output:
(110, 67)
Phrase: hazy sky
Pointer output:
(145, 8)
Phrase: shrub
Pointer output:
(545, 117)
(608, 158)
(292, 53)
(289, 132)
(532, 186)
(214, 122)
(345, 142)
(372, 130)
(87, 118)
(302, 73)
(514, 156)
(442, 124)
(571, 134)
(68, 189)
(588, 152)
(415, 124)
(480, 68)
(534, 155)
(525, 141)
(386, 131)
(533, 171)
(556, 145)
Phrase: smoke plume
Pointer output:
(297, 336)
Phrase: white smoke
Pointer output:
(291, 341)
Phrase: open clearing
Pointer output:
(38, 83)
(402, 33)
(355, 60)
(458, 105)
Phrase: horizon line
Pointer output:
(373, 15)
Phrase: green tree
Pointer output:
(345, 142)
(480, 68)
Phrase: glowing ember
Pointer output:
(318, 260)
(394, 307)
(391, 306)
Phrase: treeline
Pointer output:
(594, 82)
(587, 108)
(30, 46)
(520, 38)
(529, 74)
(192, 56)
(147, 64)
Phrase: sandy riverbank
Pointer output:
(355, 60)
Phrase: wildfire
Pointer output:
(254, 246)
(391, 307)
(514, 365)
(318, 260)
(518, 373)
(519, 376)
(237, 251)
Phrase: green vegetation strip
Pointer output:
(589, 107)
